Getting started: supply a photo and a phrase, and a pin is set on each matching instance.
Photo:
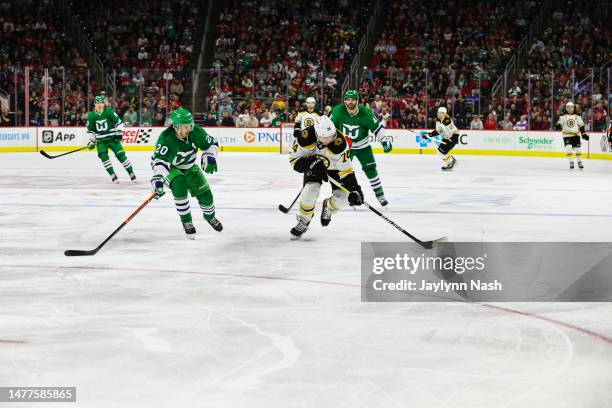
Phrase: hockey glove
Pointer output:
(318, 170)
(158, 185)
(386, 144)
(585, 137)
(209, 163)
(355, 196)
(91, 144)
(424, 134)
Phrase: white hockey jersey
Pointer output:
(570, 124)
(336, 155)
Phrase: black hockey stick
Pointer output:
(78, 252)
(48, 156)
(287, 209)
(424, 244)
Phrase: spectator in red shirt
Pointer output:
(491, 122)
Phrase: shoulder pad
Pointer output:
(338, 145)
(307, 137)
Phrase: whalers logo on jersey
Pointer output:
(183, 158)
(101, 125)
(350, 130)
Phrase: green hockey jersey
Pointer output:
(104, 125)
(356, 127)
(170, 151)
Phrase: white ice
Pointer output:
(248, 318)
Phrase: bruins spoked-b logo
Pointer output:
(308, 122)
(571, 123)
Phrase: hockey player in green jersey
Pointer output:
(174, 165)
(105, 131)
(355, 122)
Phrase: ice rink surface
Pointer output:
(248, 318)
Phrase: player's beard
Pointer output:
(351, 110)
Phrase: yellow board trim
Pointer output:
(17, 149)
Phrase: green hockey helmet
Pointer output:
(351, 94)
(99, 99)
(182, 120)
(181, 116)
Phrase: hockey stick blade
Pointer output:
(78, 252)
(286, 210)
(430, 244)
(48, 156)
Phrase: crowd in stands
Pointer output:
(146, 50)
(441, 56)
(569, 58)
(33, 36)
(271, 55)
(432, 57)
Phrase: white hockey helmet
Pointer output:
(570, 103)
(311, 102)
(442, 109)
(324, 128)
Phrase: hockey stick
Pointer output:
(48, 156)
(77, 252)
(287, 209)
(424, 244)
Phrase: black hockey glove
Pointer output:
(355, 196)
(302, 165)
(318, 170)
(585, 136)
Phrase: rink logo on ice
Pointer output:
(137, 136)
(536, 143)
(49, 136)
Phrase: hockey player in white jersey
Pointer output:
(305, 118)
(320, 152)
(450, 137)
(571, 126)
